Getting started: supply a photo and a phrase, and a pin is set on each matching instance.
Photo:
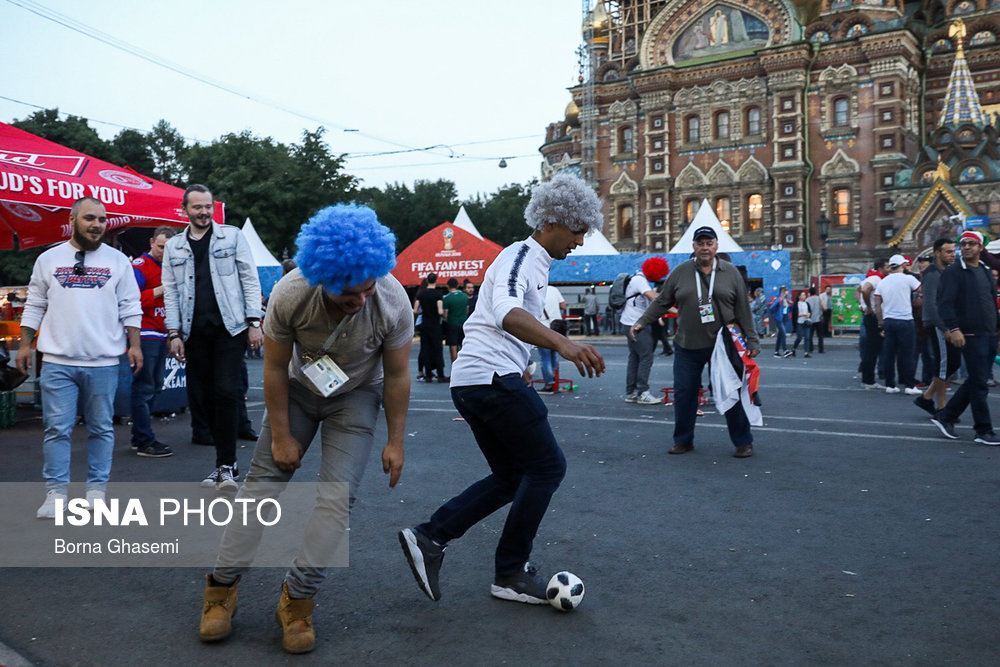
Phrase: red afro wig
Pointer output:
(655, 269)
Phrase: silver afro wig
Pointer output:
(565, 200)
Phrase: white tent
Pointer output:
(595, 244)
(261, 255)
(705, 218)
(463, 221)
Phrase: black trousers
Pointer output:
(214, 369)
(199, 422)
(431, 347)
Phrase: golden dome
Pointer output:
(597, 20)
(572, 112)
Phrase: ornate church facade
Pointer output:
(782, 114)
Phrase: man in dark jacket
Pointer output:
(967, 305)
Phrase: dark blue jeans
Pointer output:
(978, 354)
(510, 423)
(780, 342)
(870, 349)
(899, 351)
(688, 367)
(146, 386)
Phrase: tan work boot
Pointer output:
(217, 614)
(295, 617)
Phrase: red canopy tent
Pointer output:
(40, 180)
(448, 251)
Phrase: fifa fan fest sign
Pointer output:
(448, 251)
(40, 180)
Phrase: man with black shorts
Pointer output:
(945, 358)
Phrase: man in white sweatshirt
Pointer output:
(83, 298)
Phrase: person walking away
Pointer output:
(815, 318)
(639, 293)
(893, 304)
(456, 307)
(590, 313)
(430, 305)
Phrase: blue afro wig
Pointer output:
(344, 245)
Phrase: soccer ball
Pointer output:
(565, 591)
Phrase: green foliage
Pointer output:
(73, 132)
(278, 186)
(500, 217)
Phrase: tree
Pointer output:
(73, 132)
(132, 147)
(410, 214)
(279, 187)
(168, 149)
(500, 216)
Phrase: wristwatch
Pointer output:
(255, 324)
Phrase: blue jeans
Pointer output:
(802, 334)
(978, 354)
(61, 387)
(780, 339)
(688, 367)
(510, 423)
(347, 429)
(899, 350)
(146, 386)
(640, 360)
(550, 364)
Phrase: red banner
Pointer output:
(448, 251)
(40, 180)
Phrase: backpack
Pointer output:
(617, 298)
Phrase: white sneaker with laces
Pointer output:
(211, 480)
(912, 391)
(892, 390)
(645, 398)
(227, 479)
(48, 508)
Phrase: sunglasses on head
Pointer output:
(78, 269)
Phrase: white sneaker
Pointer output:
(912, 391)
(92, 495)
(211, 480)
(892, 390)
(873, 385)
(48, 508)
(645, 398)
(631, 398)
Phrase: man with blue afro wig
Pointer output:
(336, 347)
(492, 392)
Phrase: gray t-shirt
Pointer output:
(297, 314)
(815, 309)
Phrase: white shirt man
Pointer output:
(893, 307)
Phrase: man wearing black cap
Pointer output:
(708, 293)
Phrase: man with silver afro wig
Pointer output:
(567, 201)
(336, 347)
(509, 420)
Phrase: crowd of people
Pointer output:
(337, 339)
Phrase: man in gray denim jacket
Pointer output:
(212, 295)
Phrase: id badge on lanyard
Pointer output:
(322, 371)
(706, 308)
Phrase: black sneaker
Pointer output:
(424, 556)
(523, 586)
(988, 438)
(925, 404)
(154, 450)
(788, 353)
(947, 428)
(547, 389)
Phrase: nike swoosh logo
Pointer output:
(540, 287)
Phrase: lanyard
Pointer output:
(711, 281)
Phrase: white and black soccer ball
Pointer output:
(565, 591)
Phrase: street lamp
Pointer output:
(823, 225)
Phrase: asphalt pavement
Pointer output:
(856, 535)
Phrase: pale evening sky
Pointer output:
(403, 74)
